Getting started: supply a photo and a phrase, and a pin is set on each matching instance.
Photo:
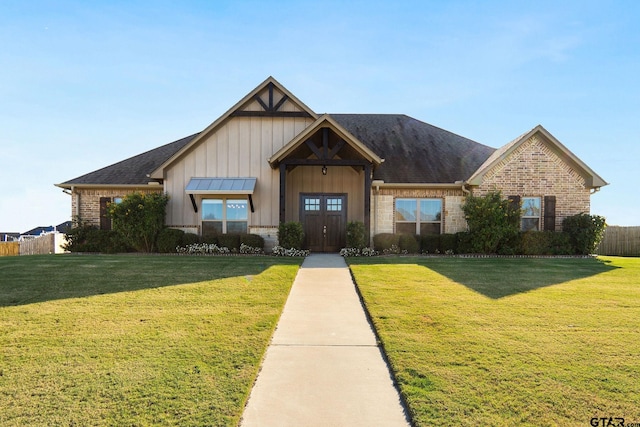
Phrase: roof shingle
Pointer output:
(134, 170)
(414, 151)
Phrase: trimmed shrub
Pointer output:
(430, 244)
(230, 241)
(252, 240)
(448, 243)
(545, 243)
(356, 235)
(408, 244)
(190, 239)
(463, 242)
(384, 241)
(585, 232)
(209, 239)
(88, 238)
(169, 239)
(290, 235)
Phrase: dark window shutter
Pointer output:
(549, 213)
(105, 221)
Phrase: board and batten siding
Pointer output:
(338, 180)
(239, 147)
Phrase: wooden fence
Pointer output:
(9, 248)
(50, 243)
(620, 241)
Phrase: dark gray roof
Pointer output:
(134, 170)
(414, 151)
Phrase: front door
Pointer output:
(324, 220)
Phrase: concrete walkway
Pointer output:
(323, 366)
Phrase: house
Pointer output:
(39, 231)
(271, 159)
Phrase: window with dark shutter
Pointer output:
(105, 221)
(549, 213)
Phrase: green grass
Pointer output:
(134, 340)
(506, 342)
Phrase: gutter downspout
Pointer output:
(463, 187)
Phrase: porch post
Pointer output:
(367, 201)
(283, 188)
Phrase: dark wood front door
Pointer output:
(324, 219)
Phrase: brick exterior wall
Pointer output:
(88, 210)
(535, 170)
(383, 207)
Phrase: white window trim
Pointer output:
(538, 217)
(224, 219)
(417, 221)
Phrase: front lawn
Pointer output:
(135, 340)
(503, 341)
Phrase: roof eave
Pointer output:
(68, 186)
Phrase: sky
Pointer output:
(84, 84)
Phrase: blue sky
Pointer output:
(84, 84)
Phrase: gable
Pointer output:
(336, 143)
(548, 149)
(268, 100)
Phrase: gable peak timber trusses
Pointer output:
(268, 99)
(324, 124)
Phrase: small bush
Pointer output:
(448, 243)
(210, 239)
(252, 240)
(290, 235)
(493, 223)
(139, 219)
(585, 232)
(88, 238)
(190, 239)
(430, 244)
(384, 241)
(169, 239)
(463, 242)
(408, 244)
(356, 235)
(545, 243)
(230, 241)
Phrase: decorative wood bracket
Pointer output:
(270, 109)
(193, 203)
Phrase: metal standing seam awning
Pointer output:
(210, 186)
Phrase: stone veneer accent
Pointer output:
(533, 169)
(383, 207)
(89, 199)
(268, 233)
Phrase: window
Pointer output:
(311, 204)
(334, 205)
(530, 214)
(224, 216)
(418, 216)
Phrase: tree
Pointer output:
(139, 218)
(494, 223)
